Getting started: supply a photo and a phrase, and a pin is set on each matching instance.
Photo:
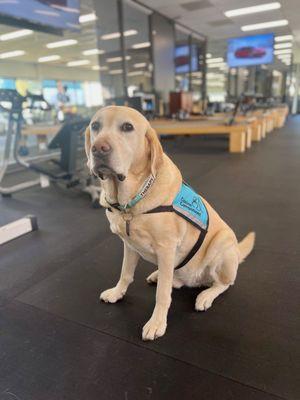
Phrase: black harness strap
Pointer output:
(160, 209)
(200, 239)
(194, 249)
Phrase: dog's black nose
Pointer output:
(101, 149)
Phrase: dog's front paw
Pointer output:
(111, 295)
(154, 328)
(204, 300)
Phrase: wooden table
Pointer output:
(239, 134)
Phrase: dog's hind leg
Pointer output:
(205, 299)
(152, 278)
(223, 277)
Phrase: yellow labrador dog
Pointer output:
(139, 184)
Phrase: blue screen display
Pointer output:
(250, 50)
(182, 59)
(62, 14)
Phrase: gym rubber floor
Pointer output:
(57, 341)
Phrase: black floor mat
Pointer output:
(59, 342)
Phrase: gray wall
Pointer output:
(163, 40)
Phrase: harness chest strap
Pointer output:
(187, 205)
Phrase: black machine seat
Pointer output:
(67, 140)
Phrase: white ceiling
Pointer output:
(207, 16)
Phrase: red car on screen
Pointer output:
(250, 52)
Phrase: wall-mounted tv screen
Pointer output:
(60, 14)
(250, 50)
(182, 59)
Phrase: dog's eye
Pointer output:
(127, 127)
(95, 126)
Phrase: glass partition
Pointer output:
(110, 56)
(197, 68)
(182, 60)
(137, 47)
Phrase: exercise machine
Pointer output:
(66, 140)
(13, 108)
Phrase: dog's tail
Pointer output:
(246, 245)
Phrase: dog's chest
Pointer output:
(134, 235)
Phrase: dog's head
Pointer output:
(118, 139)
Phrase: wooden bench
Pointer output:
(239, 134)
(255, 123)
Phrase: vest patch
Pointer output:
(189, 204)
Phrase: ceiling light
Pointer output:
(83, 19)
(78, 63)
(139, 65)
(92, 52)
(116, 35)
(46, 12)
(135, 73)
(98, 68)
(213, 75)
(283, 51)
(61, 43)
(285, 60)
(216, 65)
(265, 25)
(116, 71)
(48, 58)
(282, 45)
(117, 59)
(10, 54)
(109, 36)
(284, 55)
(215, 60)
(114, 59)
(130, 32)
(253, 9)
(16, 34)
(66, 9)
(283, 38)
(208, 55)
(216, 84)
(141, 45)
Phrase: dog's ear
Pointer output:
(156, 151)
(87, 143)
